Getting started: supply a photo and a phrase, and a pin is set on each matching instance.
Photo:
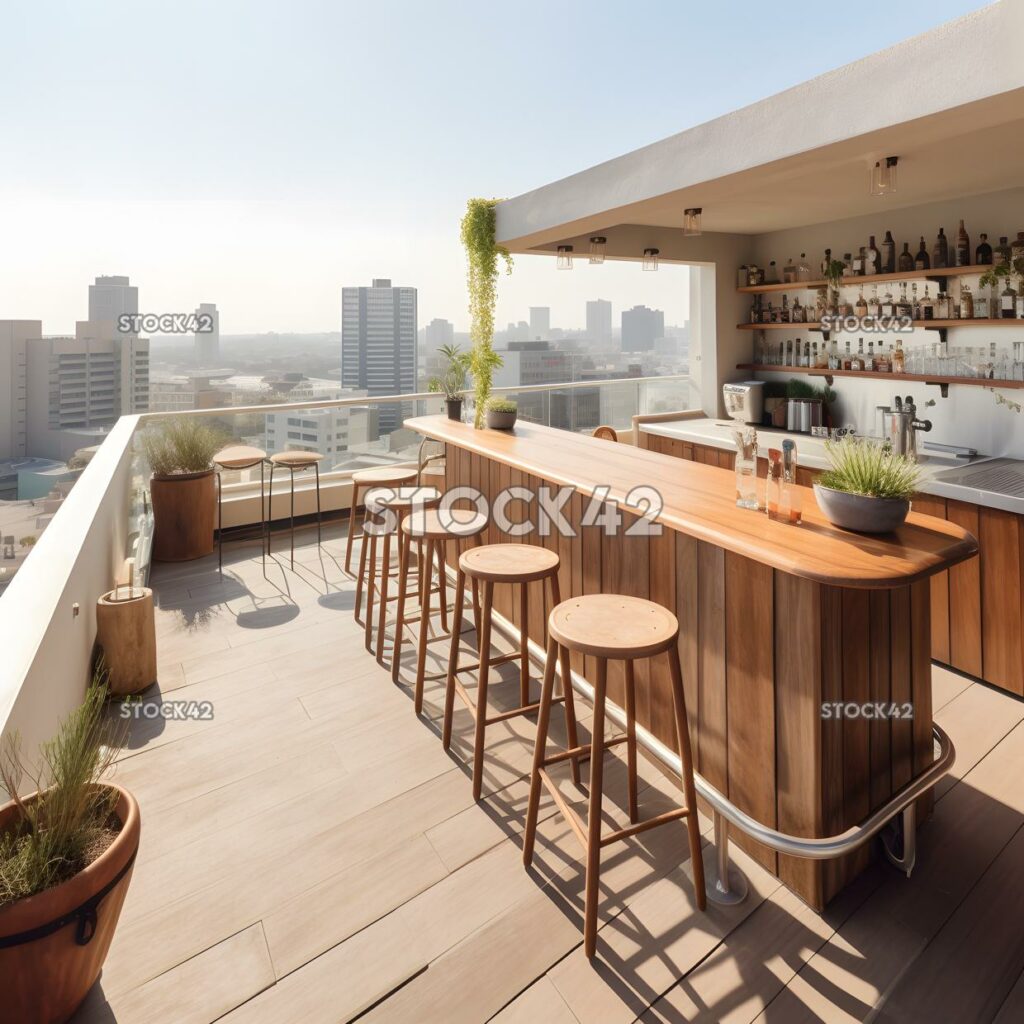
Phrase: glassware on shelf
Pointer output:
(746, 468)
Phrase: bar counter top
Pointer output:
(700, 501)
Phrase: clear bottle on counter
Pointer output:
(790, 503)
(746, 468)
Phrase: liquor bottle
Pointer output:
(983, 254)
(874, 258)
(826, 263)
(888, 306)
(847, 361)
(766, 312)
(861, 308)
(755, 310)
(773, 313)
(883, 362)
(903, 307)
(784, 312)
(940, 251)
(982, 307)
(899, 359)
(906, 260)
(1020, 304)
(858, 263)
(942, 310)
(927, 307)
(834, 362)
(874, 306)
(798, 314)
(789, 271)
(963, 247)
(1001, 253)
(857, 362)
(803, 269)
(1008, 302)
(888, 254)
(771, 274)
(869, 361)
(805, 354)
(966, 303)
(1017, 249)
(922, 261)
(848, 268)
(915, 304)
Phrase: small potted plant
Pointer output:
(866, 488)
(500, 413)
(453, 380)
(66, 858)
(180, 452)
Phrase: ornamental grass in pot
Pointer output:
(866, 488)
(66, 858)
(501, 413)
(180, 452)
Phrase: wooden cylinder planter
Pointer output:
(53, 944)
(184, 512)
(126, 633)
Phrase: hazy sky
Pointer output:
(260, 155)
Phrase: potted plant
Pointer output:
(501, 413)
(866, 488)
(180, 452)
(453, 381)
(66, 858)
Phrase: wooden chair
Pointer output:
(518, 565)
(609, 626)
(606, 433)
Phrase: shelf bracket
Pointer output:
(829, 379)
(942, 385)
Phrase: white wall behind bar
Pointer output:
(970, 415)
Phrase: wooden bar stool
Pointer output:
(431, 529)
(294, 462)
(381, 476)
(609, 626)
(518, 564)
(399, 502)
(239, 456)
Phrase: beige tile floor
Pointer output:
(312, 854)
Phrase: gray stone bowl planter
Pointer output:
(500, 420)
(860, 512)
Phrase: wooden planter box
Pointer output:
(184, 508)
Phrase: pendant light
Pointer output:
(597, 244)
(691, 220)
(564, 261)
(650, 259)
(883, 176)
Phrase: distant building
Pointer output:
(641, 328)
(15, 338)
(181, 393)
(437, 333)
(378, 345)
(599, 320)
(540, 323)
(207, 343)
(109, 297)
(535, 362)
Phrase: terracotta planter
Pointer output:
(184, 511)
(46, 978)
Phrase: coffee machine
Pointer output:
(744, 401)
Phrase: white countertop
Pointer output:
(936, 468)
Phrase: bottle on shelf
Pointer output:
(1020, 304)
(983, 254)
(834, 362)
(803, 269)
(888, 306)
(847, 358)
(869, 359)
(922, 261)
(826, 263)
(1017, 249)
(1008, 302)
(888, 254)
(983, 309)
(1001, 253)
(861, 307)
(784, 311)
(927, 306)
(766, 312)
(873, 258)
(771, 275)
(942, 309)
(857, 362)
(790, 500)
(883, 361)
(915, 304)
(903, 307)
(874, 306)
(798, 314)
(906, 259)
(966, 303)
(848, 268)
(940, 251)
(963, 247)
(899, 359)
(789, 271)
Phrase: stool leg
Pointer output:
(453, 660)
(567, 692)
(481, 693)
(524, 644)
(352, 528)
(362, 569)
(319, 517)
(543, 718)
(291, 516)
(440, 549)
(385, 579)
(220, 525)
(263, 522)
(594, 819)
(270, 506)
(371, 582)
(421, 650)
(631, 740)
(403, 586)
(689, 793)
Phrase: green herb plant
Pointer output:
(452, 382)
(857, 466)
(184, 444)
(499, 404)
(483, 256)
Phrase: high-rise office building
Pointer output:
(641, 328)
(599, 320)
(378, 345)
(207, 343)
(109, 297)
(16, 336)
(540, 323)
(437, 333)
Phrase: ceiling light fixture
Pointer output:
(597, 244)
(651, 259)
(883, 176)
(564, 261)
(691, 220)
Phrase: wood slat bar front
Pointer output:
(776, 622)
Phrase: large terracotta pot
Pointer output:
(184, 510)
(43, 980)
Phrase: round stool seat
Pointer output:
(295, 460)
(239, 456)
(383, 476)
(402, 499)
(509, 563)
(433, 524)
(613, 626)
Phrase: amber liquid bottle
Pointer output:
(906, 259)
(940, 251)
(963, 247)
(922, 261)
(983, 254)
(888, 254)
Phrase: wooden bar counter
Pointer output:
(776, 621)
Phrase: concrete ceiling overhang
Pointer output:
(949, 103)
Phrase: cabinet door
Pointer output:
(806, 477)
(965, 597)
(1000, 556)
(930, 506)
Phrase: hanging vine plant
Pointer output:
(483, 256)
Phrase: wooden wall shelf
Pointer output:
(925, 324)
(849, 282)
(929, 378)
